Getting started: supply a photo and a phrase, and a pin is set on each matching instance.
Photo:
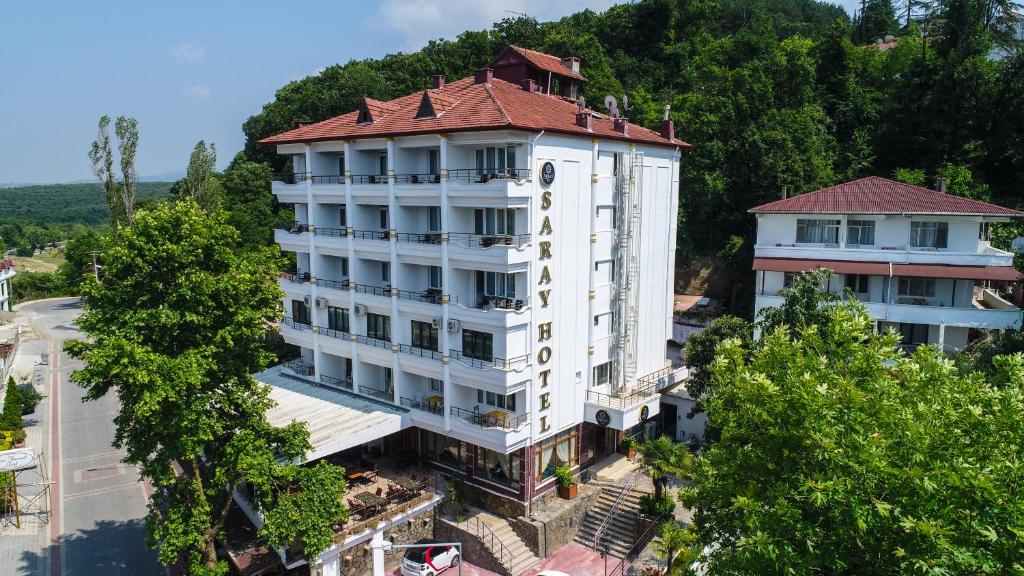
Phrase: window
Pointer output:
(858, 283)
(424, 335)
(382, 218)
(495, 160)
(787, 279)
(344, 267)
(504, 469)
(434, 219)
(499, 284)
(494, 221)
(913, 334)
(378, 326)
(860, 232)
(559, 450)
(602, 374)
(435, 277)
(985, 231)
(434, 161)
(436, 385)
(443, 449)
(341, 164)
(343, 216)
(605, 272)
(382, 164)
(503, 401)
(920, 287)
(929, 234)
(300, 312)
(817, 231)
(478, 345)
(385, 272)
(337, 318)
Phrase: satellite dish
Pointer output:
(1017, 245)
(612, 105)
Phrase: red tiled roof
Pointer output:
(1006, 273)
(6, 263)
(547, 62)
(875, 195)
(495, 106)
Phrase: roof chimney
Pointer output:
(668, 130)
(483, 76)
(940, 185)
(529, 84)
(572, 63)
(438, 81)
(621, 125)
(584, 119)
(785, 192)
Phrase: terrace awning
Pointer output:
(336, 420)
(837, 266)
(999, 273)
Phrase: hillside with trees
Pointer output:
(772, 94)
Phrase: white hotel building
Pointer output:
(919, 259)
(6, 279)
(487, 265)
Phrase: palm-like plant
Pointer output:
(674, 542)
(662, 458)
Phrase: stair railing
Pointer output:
(489, 539)
(627, 487)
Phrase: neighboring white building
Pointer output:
(6, 280)
(493, 260)
(919, 259)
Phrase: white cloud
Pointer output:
(187, 51)
(196, 91)
(422, 20)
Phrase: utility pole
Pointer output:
(95, 267)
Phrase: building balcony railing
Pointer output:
(300, 367)
(295, 324)
(421, 352)
(416, 238)
(477, 176)
(642, 391)
(370, 234)
(333, 333)
(375, 342)
(488, 240)
(493, 362)
(369, 179)
(494, 419)
(290, 177)
(329, 179)
(298, 228)
(295, 277)
(334, 284)
(488, 302)
(331, 232)
(339, 383)
(417, 178)
(385, 395)
(620, 400)
(425, 406)
(430, 295)
(375, 290)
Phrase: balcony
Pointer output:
(340, 285)
(420, 352)
(384, 395)
(985, 255)
(289, 187)
(494, 419)
(625, 408)
(505, 364)
(336, 383)
(295, 285)
(298, 333)
(430, 406)
(498, 250)
(300, 367)
(468, 186)
(294, 239)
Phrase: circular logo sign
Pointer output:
(547, 173)
(602, 418)
(644, 413)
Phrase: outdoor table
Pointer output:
(373, 502)
(407, 483)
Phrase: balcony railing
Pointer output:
(369, 179)
(476, 176)
(295, 324)
(290, 177)
(295, 277)
(332, 179)
(432, 407)
(430, 295)
(385, 395)
(333, 333)
(427, 238)
(375, 290)
(620, 401)
(334, 284)
(300, 367)
(494, 362)
(331, 232)
(298, 228)
(487, 302)
(375, 342)
(421, 352)
(339, 383)
(495, 419)
(370, 234)
(418, 178)
(488, 240)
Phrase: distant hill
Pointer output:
(66, 203)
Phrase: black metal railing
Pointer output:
(295, 324)
(493, 362)
(385, 395)
(418, 178)
(495, 419)
(331, 232)
(369, 179)
(298, 228)
(332, 179)
(432, 407)
(335, 284)
(332, 382)
(430, 295)
(476, 176)
(488, 240)
(295, 277)
(300, 367)
(426, 238)
(421, 352)
(620, 400)
(334, 333)
(487, 302)
(375, 290)
(290, 177)
(376, 342)
(370, 234)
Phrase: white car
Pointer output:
(429, 561)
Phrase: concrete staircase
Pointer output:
(619, 531)
(497, 536)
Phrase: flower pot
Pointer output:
(567, 492)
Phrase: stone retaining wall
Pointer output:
(557, 525)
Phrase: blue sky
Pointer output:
(190, 70)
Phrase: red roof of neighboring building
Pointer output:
(6, 263)
(547, 62)
(875, 195)
(1005, 273)
(470, 107)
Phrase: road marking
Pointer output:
(56, 448)
(119, 453)
(114, 488)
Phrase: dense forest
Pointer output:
(771, 93)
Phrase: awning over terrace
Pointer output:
(336, 420)
(1000, 273)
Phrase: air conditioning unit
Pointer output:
(321, 302)
(454, 326)
(360, 309)
(306, 300)
(436, 322)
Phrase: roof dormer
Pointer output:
(434, 103)
(374, 110)
(551, 74)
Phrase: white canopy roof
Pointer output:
(336, 420)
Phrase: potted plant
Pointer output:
(566, 482)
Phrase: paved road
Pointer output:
(98, 502)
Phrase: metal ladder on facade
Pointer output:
(628, 207)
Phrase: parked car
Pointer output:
(429, 561)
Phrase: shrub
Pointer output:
(565, 476)
(29, 398)
(661, 508)
(11, 418)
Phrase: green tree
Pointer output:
(201, 181)
(661, 458)
(701, 347)
(960, 181)
(78, 257)
(176, 330)
(840, 455)
(249, 202)
(876, 20)
(11, 417)
(120, 193)
(805, 303)
(914, 176)
(675, 544)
